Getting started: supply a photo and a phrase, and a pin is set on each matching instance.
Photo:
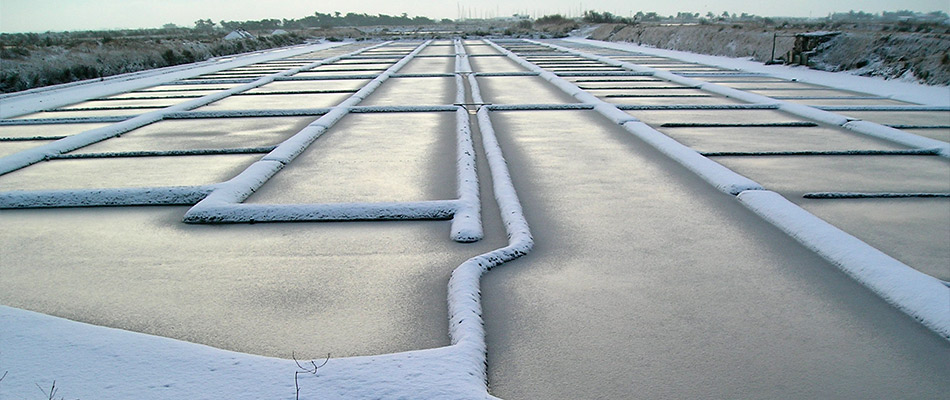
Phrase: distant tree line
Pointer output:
(321, 20)
(895, 16)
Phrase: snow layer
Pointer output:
(94, 362)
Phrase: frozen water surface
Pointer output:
(806, 93)
(372, 158)
(795, 176)
(441, 47)
(161, 95)
(917, 118)
(286, 86)
(915, 231)
(413, 91)
(272, 289)
(646, 282)
(21, 131)
(474, 47)
(621, 82)
(942, 134)
(85, 113)
(609, 94)
(429, 65)
(764, 139)
(277, 101)
(201, 134)
(342, 71)
(495, 64)
(7, 148)
(848, 102)
(158, 103)
(211, 87)
(765, 84)
(659, 117)
(126, 172)
(531, 90)
(672, 100)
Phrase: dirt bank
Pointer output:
(917, 56)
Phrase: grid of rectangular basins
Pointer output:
(791, 155)
(216, 141)
(906, 212)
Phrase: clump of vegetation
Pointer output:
(337, 19)
(555, 25)
(594, 17)
(33, 60)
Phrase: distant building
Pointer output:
(239, 34)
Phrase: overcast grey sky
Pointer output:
(60, 15)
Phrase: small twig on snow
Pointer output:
(312, 370)
(52, 390)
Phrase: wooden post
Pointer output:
(772, 58)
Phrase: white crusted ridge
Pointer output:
(179, 195)
(467, 221)
(219, 212)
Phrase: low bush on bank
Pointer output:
(35, 60)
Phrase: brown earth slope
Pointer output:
(924, 57)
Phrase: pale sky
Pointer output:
(65, 15)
